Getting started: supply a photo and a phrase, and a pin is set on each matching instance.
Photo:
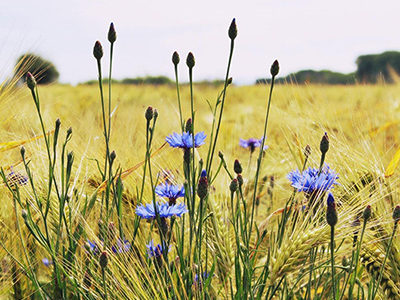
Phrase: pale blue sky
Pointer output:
(299, 33)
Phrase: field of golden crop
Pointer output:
(362, 123)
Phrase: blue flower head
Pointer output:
(311, 180)
(203, 173)
(121, 247)
(185, 140)
(156, 251)
(331, 200)
(164, 210)
(170, 191)
(252, 144)
(203, 276)
(92, 247)
(46, 262)
(15, 178)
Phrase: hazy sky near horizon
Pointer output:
(299, 33)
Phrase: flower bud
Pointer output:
(240, 180)
(155, 116)
(69, 132)
(190, 60)
(22, 151)
(307, 151)
(103, 260)
(188, 127)
(175, 58)
(149, 113)
(324, 145)
(202, 187)
(233, 185)
(24, 214)
(331, 214)
(30, 81)
(237, 167)
(396, 214)
(345, 261)
(112, 35)
(367, 213)
(113, 155)
(232, 32)
(275, 68)
(229, 80)
(98, 50)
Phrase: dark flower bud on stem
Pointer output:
(396, 214)
(155, 116)
(175, 58)
(98, 50)
(113, 155)
(103, 260)
(220, 155)
(331, 213)
(234, 185)
(24, 214)
(324, 145)
(367, 213)
(275, 68)
(229, 80)
(307, 151)
(112, 35)
(190, 60)
(22, 151)
(202, 187)
(237, 167)
(240, 180)
(149, 113)
(30, 81)
(69, 132)
(188, 127)
(232, 32)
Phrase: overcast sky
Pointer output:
(299, 33)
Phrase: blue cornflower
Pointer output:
(156, 251)
(92, 247)
(121, 247)
(252, 143)
(164, 210)
(170, 191)
(311, 180)
(204, 276)
(185, 140)
(47, 262)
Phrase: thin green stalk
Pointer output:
(384, 260)
(260, 158)
(333, 261)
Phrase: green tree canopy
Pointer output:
(44, 71)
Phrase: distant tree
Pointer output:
(373, 66)
(312, 76)
(44, 71)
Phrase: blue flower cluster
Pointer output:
(185, 140)
(156, 251)
(311, 180)
(121, 247)
(164, 210)
(252, 143)
(170, 191)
